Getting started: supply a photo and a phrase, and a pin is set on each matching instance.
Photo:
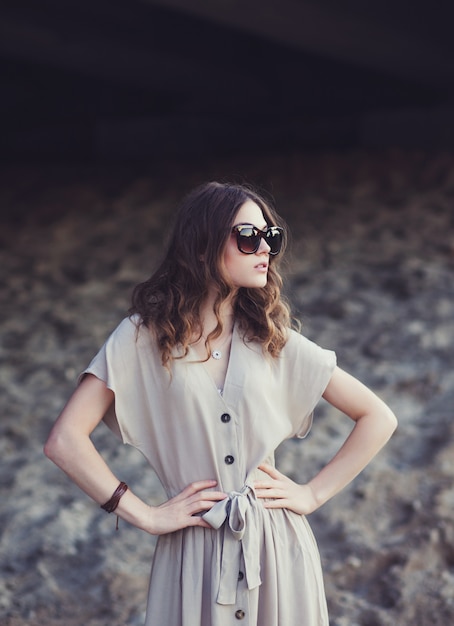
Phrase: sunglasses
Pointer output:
(248, 238)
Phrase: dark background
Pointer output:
(96, 80)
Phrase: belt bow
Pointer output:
(239, 537)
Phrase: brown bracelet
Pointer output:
(112, 504)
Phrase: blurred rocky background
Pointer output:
(109, 113)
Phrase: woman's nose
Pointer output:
(263, 247)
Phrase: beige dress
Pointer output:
(254, 566)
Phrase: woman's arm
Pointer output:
(69, 446)
(374, 425)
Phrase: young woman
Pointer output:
(206, 378)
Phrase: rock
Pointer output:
(370, 275)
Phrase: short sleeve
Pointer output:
(308, 369)
(116, 364)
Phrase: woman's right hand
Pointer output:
(183, 509)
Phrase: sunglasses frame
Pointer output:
(260, 234)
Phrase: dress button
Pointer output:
(240, 576)
(240, 614)
(229, 459)
(225, 417)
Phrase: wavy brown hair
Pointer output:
(169, 302)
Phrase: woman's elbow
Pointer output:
(56, 447)
(389, 421)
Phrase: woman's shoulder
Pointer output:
(127, 327)
(130, 329)
(296, 339)
(132, 341)
(297, 344)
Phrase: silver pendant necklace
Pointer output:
(216, 353)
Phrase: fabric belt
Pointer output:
(239, 538)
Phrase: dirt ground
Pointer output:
(370, 275)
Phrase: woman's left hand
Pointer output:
(284, 493)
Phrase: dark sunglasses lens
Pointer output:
(248, 240)
(274, 239)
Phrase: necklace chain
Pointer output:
(216, 353)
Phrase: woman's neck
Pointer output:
(208, 316)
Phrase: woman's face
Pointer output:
(247, 270)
